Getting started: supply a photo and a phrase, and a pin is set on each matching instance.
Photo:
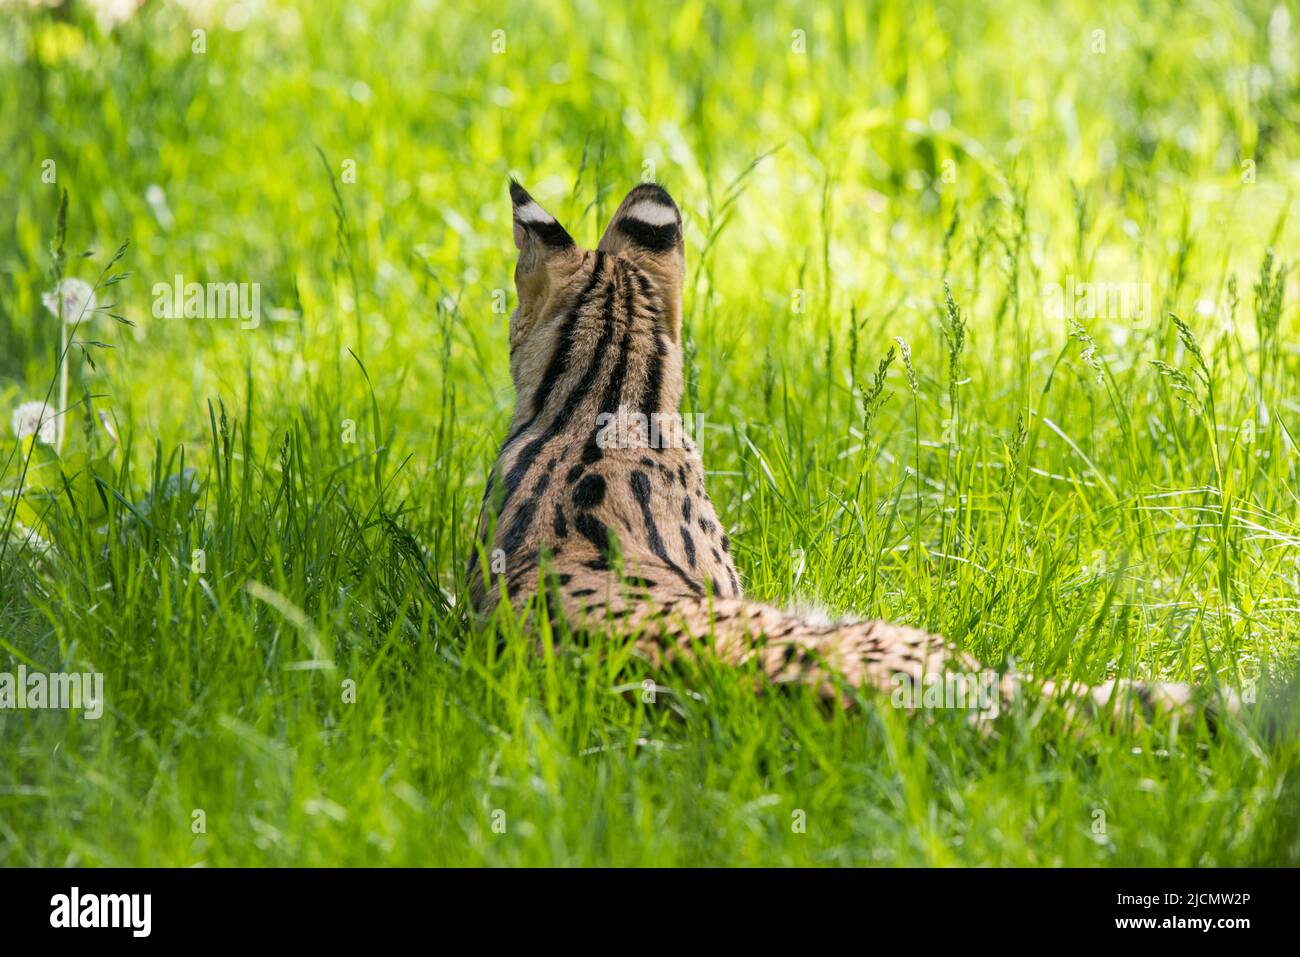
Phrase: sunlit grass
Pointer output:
(286, 648)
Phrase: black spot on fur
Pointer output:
(590, 492)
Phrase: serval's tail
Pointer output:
(910, 665)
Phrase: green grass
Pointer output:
(1117, 496)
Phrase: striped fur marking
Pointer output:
(649, 236)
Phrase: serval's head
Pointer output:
(640, 253)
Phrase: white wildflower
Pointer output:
(78, 299)
(33, 418)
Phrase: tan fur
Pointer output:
(596, 331)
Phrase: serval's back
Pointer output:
(598, 493)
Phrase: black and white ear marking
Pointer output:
(648, 218)
(533, 222)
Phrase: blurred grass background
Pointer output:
(1039, 494)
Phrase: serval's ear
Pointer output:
(534, 225)
(647, 229)
(538, 236)
(647, 221)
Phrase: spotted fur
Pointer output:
(623, 534)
